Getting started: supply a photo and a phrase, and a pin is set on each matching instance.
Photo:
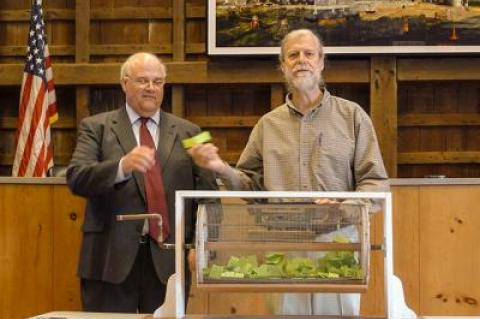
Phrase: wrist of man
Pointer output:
(122, 174)
(223, 170)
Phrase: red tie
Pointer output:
(156, 201)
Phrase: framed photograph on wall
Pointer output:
(346, 26)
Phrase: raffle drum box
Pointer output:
(283, 242)
(292, 245)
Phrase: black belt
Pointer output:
(144, 239)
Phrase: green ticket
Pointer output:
(200, 138)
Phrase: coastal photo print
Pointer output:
(346, 26)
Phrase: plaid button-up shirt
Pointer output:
(333, 147)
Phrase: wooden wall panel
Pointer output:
(160, 32)
(439, 117)
(15, 4)
(68, 215)
(196, 37)
(449, 254)
(58, 33)
(358, 93)
(119, 32)
(383, 109)
(372, 301)
(26, 238)
(218, 99)
(435, 231)
(238, 304)
(406, 239)
(231, 104)
(426, 85)
(64, 141)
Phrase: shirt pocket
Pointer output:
(333, 157)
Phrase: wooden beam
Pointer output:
(131, 13)
(179, 30)
(439, 158)
(224, 121)
(127, 49)
(24, 15)
(82, 55)
(446, 69)
(244, 72)
(103, 49)
(383, 109)
(105, 73)
(55, 50)
(183, 72)
(10, 123)
(178, 92)
(439, 119)
(82, 31)
(353, 71)
(59, 159)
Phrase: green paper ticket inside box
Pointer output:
(200, 138)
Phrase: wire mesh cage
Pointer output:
(298, 243)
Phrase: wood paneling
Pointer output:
(438, 125)
(68, 215)
(449, 255)
(406, 238)
(89, 39)
(427, 69)
(435, 231)
(26, 254)
(383, 109)
(440, 119)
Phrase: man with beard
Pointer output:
(312, 142)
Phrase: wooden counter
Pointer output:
(436, 224)
(92, 315)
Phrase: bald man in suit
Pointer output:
(122, 268)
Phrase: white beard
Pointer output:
(303, 83)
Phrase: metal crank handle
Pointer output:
(172, 246)
(138, 216)
(145, 216)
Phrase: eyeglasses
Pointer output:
(144, 82)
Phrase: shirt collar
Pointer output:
(133, 116)
(291, 106)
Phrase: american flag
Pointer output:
(37, 109)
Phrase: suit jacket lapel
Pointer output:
(167, 139)
(122, 128)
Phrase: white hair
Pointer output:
(299, 34)
(124, 70)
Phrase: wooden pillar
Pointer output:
(82, 54)
(178, 98)
(383, 108)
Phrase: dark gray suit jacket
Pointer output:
(109, 247)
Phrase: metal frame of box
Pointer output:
(180, 197)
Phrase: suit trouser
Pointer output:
(141, 291)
